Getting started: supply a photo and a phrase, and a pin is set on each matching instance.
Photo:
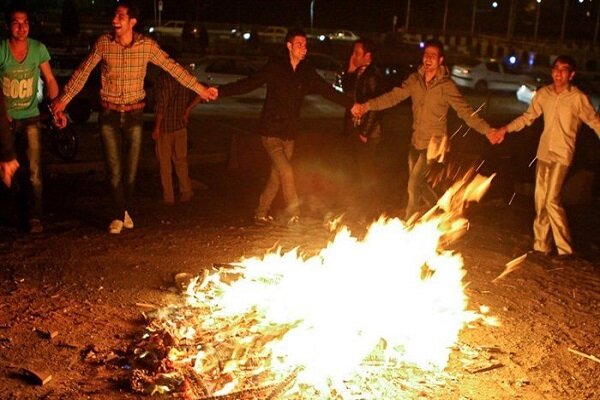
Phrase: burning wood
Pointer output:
(287, 326)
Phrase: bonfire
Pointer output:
(349, 322)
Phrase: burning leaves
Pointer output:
(290, 326)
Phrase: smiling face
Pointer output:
(122, 24)
(19, 26)
(562, 74)
(432, 59)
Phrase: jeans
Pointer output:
(29, 175)
(280, 151)
(121, 134)
(549, 213)
(418, 188)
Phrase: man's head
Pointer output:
(563, 71)
(17, 20)
(125, 16)
(295, 41)
(363, 52)
(433, 55)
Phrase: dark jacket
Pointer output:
(286, 90)
(362, 85)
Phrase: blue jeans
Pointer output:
(29, 175)
(280, 151)
(419, 189)
(121, 134)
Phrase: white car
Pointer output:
(489, 74)
(220, 70)
(273, 34)
(343, 35)
(169, 28)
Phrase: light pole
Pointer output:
(407, 16)
(538, 5)
(445, 16)
(473, 17)
(564, 22)
(312, 14)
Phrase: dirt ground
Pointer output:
(87, 289)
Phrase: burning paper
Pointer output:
(316, 320)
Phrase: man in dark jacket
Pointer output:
(289, 79)
(363, 81)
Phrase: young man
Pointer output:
(21, 60)
(289, 79)
(432, 92)
(170, 135)
(564, 107)
(124, 56)
(363, 81)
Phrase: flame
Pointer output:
(395, 291)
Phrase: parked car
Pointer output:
(488, 74)
(220, 70)
(169, 28)
(273, 34)
(328, 67)
(343, 35)
(526, 91)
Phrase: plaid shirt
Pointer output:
(123, 69)
(171, 101)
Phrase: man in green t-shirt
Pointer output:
(21, 61)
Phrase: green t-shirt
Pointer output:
(20, 80)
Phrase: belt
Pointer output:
(123, 107)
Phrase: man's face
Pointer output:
(297, 48)
(432, 59)
(121, 22)
(562, 75)
(19, 26)
(359, 55)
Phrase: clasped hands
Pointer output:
(496, 135)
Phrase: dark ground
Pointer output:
(77, 280)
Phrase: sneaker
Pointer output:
(127, 221)
(266, 220)
(115, 227)
(35, 226)
(565, 258)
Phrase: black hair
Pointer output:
(292, 33)
(368, 46)
(564, 59)
(133, 11)
(435, 43)
(14, 7)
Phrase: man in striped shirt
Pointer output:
(123, 56)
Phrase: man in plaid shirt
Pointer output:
(123, 56)
(170, 134)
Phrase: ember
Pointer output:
(346, 322)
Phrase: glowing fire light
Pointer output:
(394, 291)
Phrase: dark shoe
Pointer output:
(35, 226)
(565, 258)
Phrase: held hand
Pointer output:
(60, 120)
(364, 139)
(358, 110)
(7, 170)
(186, 116)
(496, 136)
(210, 93)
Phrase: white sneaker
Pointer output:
(127, 221)
(115, 227)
